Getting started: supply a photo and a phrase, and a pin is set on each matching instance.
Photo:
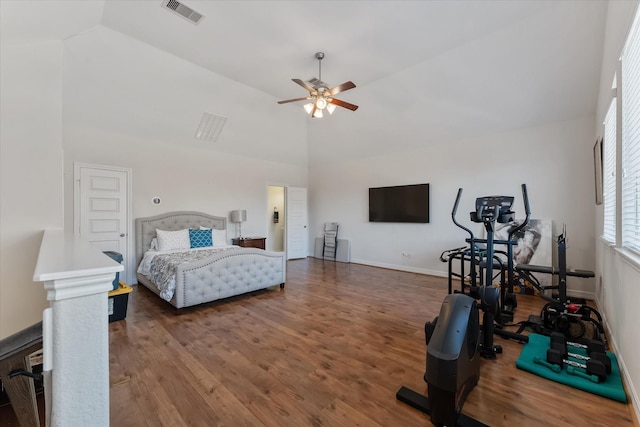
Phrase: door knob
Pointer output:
(122, 234)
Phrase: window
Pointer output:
(609, 174)
(630, 194)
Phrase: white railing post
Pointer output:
(77, 278)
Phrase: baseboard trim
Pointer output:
(406, 268)
(630, 387)
(581, 294)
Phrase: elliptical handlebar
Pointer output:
(527, 211)
(457, 202)
(453, 214)
(525, 198)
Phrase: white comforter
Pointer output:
(163, 273)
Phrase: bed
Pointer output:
(220, 272)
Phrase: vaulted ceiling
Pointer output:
(451, 69)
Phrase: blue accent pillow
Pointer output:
(200, 238)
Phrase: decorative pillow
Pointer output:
(171, 240)
(219, 236)
(154, 244)
(200, 238)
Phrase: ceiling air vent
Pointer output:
(210, 127)
(182, 10)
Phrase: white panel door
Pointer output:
(103, 219)
(297, 230)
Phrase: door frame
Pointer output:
(129, 276)
(270, 213)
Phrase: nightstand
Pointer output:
(250, 242)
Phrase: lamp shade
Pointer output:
(238, 216)
(308, 107)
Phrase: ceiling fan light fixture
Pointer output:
(321, 96)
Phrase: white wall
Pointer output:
(187, 179)
(555, 161)
(131, 105)
(617, 275)
(30, 173)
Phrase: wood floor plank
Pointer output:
(342, 414)
(330, 349)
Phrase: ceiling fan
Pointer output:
(321, 97)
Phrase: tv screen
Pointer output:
(404, 203)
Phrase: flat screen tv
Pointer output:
(404, 203)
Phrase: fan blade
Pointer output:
(341, 88)
(294, 100)
(343, 104)
(305, 85)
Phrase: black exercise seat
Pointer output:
(530, 268)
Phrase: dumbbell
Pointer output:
(542, 362)
(592, 346)
(600, 357)
(593, 367)
(573, 371)
(559, 343)
(570, 369)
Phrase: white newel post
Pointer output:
(77, 278)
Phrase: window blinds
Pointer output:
(609, 174)
(631, 141)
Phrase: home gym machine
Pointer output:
(455, 339)
(527, 272)
(562, 314)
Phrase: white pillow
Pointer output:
(219, 237)
(154, 244)
(171, 240)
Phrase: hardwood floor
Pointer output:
(331, 349)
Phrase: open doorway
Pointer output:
(276, 218)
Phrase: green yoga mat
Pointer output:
(537, 347)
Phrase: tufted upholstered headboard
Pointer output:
(171, 221)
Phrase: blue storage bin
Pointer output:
(116, 256)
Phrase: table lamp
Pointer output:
(239, 216)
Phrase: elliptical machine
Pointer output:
(493, 300)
